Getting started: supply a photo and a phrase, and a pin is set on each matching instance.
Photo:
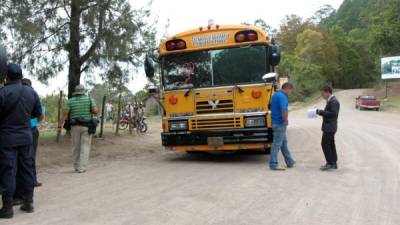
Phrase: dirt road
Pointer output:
(176, 188)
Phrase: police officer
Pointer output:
(35, 141)
(18, 104)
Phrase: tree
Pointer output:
(289, 29)
(323, 15)
(385, 31)
(263, 25)
(317, 48)
(87, 35)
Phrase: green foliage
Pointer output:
(141, 95)
(86, 35)
(287, 37)
(112, 93)
(50, 102)
(308, 79)
(341, 48)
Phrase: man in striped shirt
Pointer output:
(80, 109)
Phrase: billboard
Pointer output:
(390, 67)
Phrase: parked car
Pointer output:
(367, 102)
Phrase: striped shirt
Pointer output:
(79, 106)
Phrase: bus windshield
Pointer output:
(215, 67)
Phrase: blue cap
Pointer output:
(14, 71)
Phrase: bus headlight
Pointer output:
(178, 125)
(254, 122)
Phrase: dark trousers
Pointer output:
(35, 135)
(329, 147)
(13, 159)
(19, 181)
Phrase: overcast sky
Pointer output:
(188, 14)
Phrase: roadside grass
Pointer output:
(392, 104)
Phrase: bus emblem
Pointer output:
(213, 104)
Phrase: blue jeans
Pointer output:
(280, 142)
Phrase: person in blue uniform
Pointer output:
(35, 122)
(35, 136)
(18, 104)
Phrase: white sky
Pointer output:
(189, 14)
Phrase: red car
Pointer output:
(367, 102)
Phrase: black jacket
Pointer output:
(330, 115)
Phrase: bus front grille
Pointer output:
(216, 106)
(213, 124)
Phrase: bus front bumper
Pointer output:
(235, 139)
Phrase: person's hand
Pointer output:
(318, 111)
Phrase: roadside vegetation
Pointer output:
(342, 48)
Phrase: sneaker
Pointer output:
(27, 207)
(277, 168)
(291, 165)
(6, 213)
(326, 167)
(17, 201)
(80, 171)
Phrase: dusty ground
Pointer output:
(135, 187)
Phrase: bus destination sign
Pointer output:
(212, 39)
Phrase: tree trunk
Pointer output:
(74, 73)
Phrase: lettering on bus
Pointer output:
(211, 39)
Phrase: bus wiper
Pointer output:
(239, 88)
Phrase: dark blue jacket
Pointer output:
(15, 127)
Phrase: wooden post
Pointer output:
(118, 114)
(130, 118)
(60, 101)
(386, 87)
(102, 117)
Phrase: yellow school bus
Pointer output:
(216, 86)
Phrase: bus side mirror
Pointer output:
(3, 63)
(149, 67)
(275, 57)
(270, 77)
(152, 90)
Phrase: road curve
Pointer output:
(180, 189)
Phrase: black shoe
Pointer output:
(291, 165)
(39, 184)
(27, 207)
(334, 166)
(326, 167)
(17, 201)
(6, 213)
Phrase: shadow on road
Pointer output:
(234, 157)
